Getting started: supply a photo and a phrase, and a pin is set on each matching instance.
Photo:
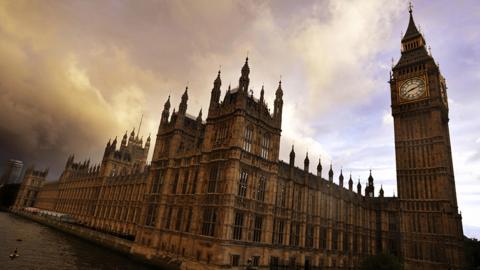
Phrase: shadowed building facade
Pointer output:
(106, 196)
(216, 194)
(13, 172)
(431, 226)
(31, 185)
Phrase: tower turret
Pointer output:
(216, 92)
(350, 183)
(72, 157)
(370, 179)
(165, 112)
(182, 109)
(199, 117)
(262, 95)
(108, 148)
(278, 104)
(359, 187)
(124, 139)
(292, 157)
(244, 80)
(131, 139)
(306, 163)
(340, 178)
(114, 144)
(381, 193)
(370, 189)
(319, 167)
(330, 173)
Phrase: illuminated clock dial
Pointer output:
(412, 89)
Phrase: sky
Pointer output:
(75, 73)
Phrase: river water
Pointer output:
(45, 248)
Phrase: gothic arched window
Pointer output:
(248, 139)
(265, 146)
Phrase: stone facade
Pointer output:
(431, 226)
(216, 194)
(47, 196)
(107, 196)
(30, 187)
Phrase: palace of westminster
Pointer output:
(216, 195)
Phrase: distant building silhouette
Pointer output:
(12, 172)
(31, 184)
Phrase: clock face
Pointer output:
(412, 89)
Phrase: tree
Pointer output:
(381, 262)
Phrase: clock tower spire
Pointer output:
(431, 226)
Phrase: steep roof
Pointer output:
(412, 30)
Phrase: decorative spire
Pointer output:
(166, 107)
(330, 173)
(166, 112)
(278, 104)
(114, 143)
(370, 179)
(183, 104)
(319, 167)
(244, 81)
(340, 178)
(132, 135)
(262, 93)
(412, 30)
(279, 92)
(218, 82)
(381, 193)
(124, 139)
(350, 183)
(359, 187)
(199, 117)
(306, 163)
(292, 157)
(246, 68)
(215, 95)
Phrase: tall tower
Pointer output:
(431, 226)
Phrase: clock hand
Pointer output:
(412, 89)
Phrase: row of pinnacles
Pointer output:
(80, 169)
(234, 99)
(129, 158)
(134, 151)
(182, 119)
(241, 98)
(38, 173)
(237, 99)
(369, 189)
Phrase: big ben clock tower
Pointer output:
(431, 227)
